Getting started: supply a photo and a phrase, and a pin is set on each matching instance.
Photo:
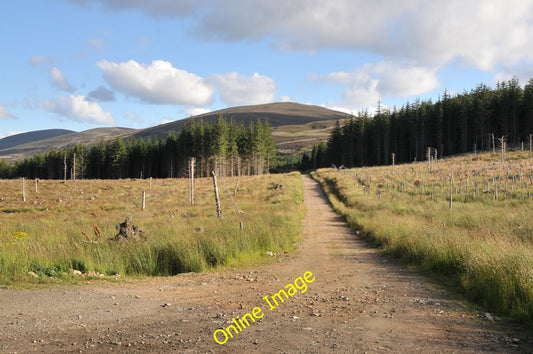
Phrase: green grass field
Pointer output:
(63, 227)
(481, 240)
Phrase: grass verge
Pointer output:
(481, 244)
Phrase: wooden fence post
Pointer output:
(191, 180)
(23, 189)
(502, 144)
(217, 199)
(65, 167)
(236, 186)
(74, 168)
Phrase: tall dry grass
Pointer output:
(483, 241)
(53, 232)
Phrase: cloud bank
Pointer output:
(414, 41)
(481, 33)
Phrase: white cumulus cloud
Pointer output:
(373, 82)
(237, 90)
(400, 80)
(60, 81)
(78, 108)
(158, 82)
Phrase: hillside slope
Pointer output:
(87, 137)
(278, 114)
(291, 122)
(24, 138)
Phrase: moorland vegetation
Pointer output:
(465, 219)
(65, 231)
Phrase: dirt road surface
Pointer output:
(359, 301)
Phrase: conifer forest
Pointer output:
(479, 120)
(227, 148)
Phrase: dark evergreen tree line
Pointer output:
(224, 147)
(453, 125)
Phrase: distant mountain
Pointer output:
(23, 138)
(295, 126)
(278, 114)
(60, 141)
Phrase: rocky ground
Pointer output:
(359, 301)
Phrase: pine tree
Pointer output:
(232, 148)
(269, 146)
(218, 144)
(335, 149)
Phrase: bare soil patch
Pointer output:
(360, 301)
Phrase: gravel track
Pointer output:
(360, 301)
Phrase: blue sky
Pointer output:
(82, 64)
